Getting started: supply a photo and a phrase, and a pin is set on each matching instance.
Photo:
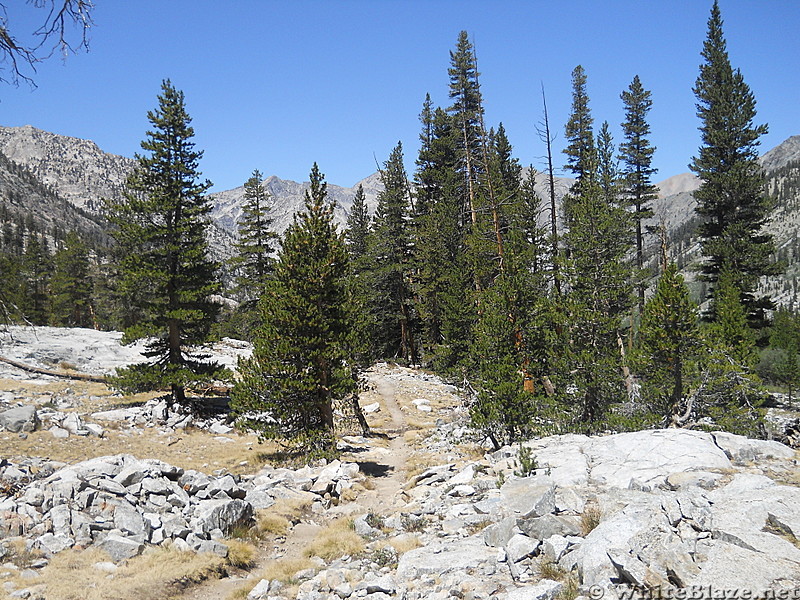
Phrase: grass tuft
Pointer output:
(241, 554)
(336, 540)
(590, 518)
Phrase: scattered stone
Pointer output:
(21, 418)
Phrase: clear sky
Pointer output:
(277, 85)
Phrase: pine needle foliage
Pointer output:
(301, 372)
(731, 198)
(164, 267)
(669, 344)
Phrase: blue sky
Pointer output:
(278, 85)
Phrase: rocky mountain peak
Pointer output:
(782, 154)
(77, 169)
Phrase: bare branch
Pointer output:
(54, 35)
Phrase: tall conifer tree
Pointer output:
(71, 286)
(636, 154)
(390, 255)
(731, 198)
(160, 228)
(300, 371)
(256, 242)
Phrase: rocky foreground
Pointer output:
(644, 510)
(558, 517)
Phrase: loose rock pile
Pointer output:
(650, 509)
(121, 503)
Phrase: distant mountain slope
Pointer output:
(287, 198)
(77, 169)
(26, 199)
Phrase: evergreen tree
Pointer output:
(467, 114)
(607, 169)
(358, 227)
(256, 241)
(730, 395)
(160, 226)
(36, 271)
(71, 286)
(785, 337)
(669, 343)
(357, 237)
(636, 154)
(581, 152)
(729, 328)
(252, 263)
(597, 242)
(443, 282)
(510, 355)
(731, 198)
(390, 257)
(300, 371)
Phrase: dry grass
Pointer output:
(268, 523)
(590, 518)
(158, 573)
(190, 449)
(286, 569)
(241, 554)
(404, 542)
(547, 569)
(336, 540)
(18, 553)
(473, 528)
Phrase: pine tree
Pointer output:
(256, 242)
(785, 336)
(36, 270)
(467, 114)
(390, 257)
(71, 285)
(731, 198)
(607, 168)
(357, 236)
(358, 227)
(730, 395)
(636, 154)
(510, 355)
(668, 344)
(597, 242)
(729, 328)
(300, 372)
(443, 283)
(160, 226)
(581, 152)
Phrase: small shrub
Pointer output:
(501, 479)
(374, 521)
(526, 462)
(384, 557)
(412, 524)
(548, 569)
(473, 528)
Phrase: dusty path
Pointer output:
(389, 463)
(386, 466)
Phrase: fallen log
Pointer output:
(62, 374)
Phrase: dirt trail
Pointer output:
(391, 463)
(386, 467)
